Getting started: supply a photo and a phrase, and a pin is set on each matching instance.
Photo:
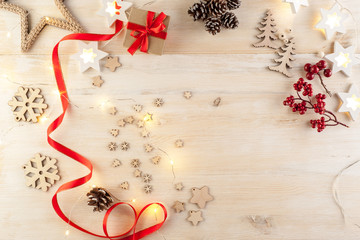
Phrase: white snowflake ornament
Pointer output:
(114, 10)
(343, 59)
(332, 21)
(89, 56)
(295, 4)
(351, 102)
(41, 172)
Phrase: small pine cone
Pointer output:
(233, 4)
(213, 25)
(198, 11)
(217, 8)
(229, 20)
(99, 198)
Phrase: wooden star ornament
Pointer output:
(112, 63)
(332, 21)
(201, 196)
(343, 59)
(295, 4)
(97, 81)
(178, 206)
(350, 102)
(114, 10)
(195, 217)
(28, 37)
(89, 56)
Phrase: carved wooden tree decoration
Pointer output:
(268, 32)
(286, 58)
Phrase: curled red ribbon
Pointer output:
(76, 156)
(153, 27)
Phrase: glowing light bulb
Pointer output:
(8, 34)
(51, 68)
(155, 210)
(5, 76)
(88, 55)
(43, 119)
(67, 232)
(94, 186)
(172, 162)
(134, 200)
(148, 117)
(56, 92)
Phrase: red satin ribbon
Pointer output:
(76, 156)
(153, 27)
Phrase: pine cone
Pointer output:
(99, 198)
(233, 4)
(229, 20)
(198, 11)
(213, 25)
(217, 8)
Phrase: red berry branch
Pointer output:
(315, 69)
(305, 101)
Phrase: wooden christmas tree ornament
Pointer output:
(286, 57)
(268, 32)
(28, 36)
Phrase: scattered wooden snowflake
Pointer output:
(116, 163)
(124, 146)
(148, 148)
(114, 132)
(129, 119)
(158, 102)
(112, 146)
(187, 94)
(138, 107)
(137, 173)
(148, 189)
(135, 163)
(145, 133)
(113, 111)
(27, 104)
(147, 178)
(155, 160)
(140, 123)
(41, 172)
(124, 185)
(179, 143)
(121, 123)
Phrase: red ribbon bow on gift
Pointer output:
(153, 27)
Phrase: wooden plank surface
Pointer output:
(257, 157)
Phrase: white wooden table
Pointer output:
(257, 157)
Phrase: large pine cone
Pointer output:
(100, 199)
(213, 25)
(233, 4)
(198, 11)
(217, 8)
(229, 20)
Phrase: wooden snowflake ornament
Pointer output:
(350, 102)
(343, 59)
(148, 189)
(332, 21)
(89, 56)
(116, 163)
(27, 104)
(295, 4)
(286, 57)
(114, 10)
(135, 163)
(41, 172)
(156, 160)
(187, 94)
(124, 186)
(201, 196)
(268, 32)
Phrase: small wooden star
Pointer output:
(112, 63)
(129, 119)
(179, 143)
(179, 206)
(158, 102)
(138, 107)
(137, 173)
(97, 81)
(114, 132)
(124, 146)
(148, 148)
(148, 117)
(195, 217)
(116, 163)
(155, 160)
(113, 111)
(112, 146)
(148, 189)
(135, 163)
(145, 133)
(187, 94)
(147, 178)
(201, 196)
(179, 186)
(124, 185)
(121, 123)
(140, 124)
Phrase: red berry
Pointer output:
(314, 69)
(310, 76)
(307, 67)
(322, 64)
(327, 73)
